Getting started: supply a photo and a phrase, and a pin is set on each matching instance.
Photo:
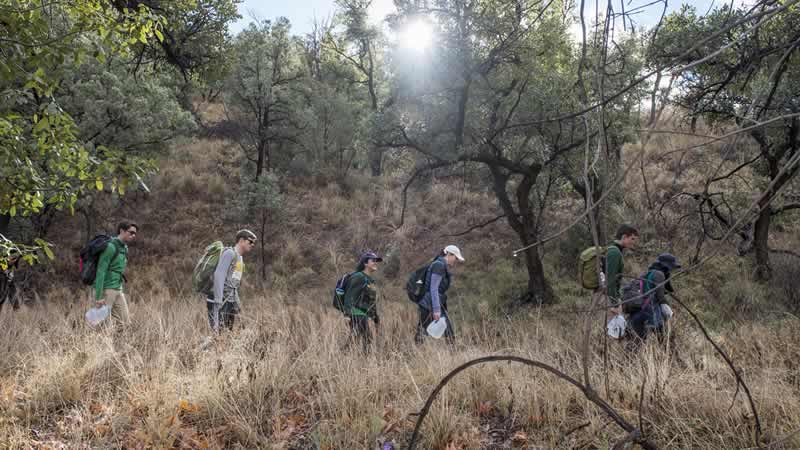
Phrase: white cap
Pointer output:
(453, 250)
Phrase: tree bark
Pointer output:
(539, 291)
(761, 244)
(376, 161)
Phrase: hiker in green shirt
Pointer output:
(360, 298)
(626, 238)
(109, 281)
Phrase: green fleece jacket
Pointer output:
(615, 265)
(110, 268)
(360, 296)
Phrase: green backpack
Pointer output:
(203, 274)
(588, 276)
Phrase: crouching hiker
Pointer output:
(432, 304)
(8, 288)
(223, 301)
(360, 299)
(654, 312)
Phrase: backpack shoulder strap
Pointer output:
(428, 271)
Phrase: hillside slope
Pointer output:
(285, 380)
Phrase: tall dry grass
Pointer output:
(284, 380)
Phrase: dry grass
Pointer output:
(282, 380)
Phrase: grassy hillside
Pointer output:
(284, 379)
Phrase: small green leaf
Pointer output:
(98, 184)
(159, 36)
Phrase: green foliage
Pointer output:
(28, 253)
(43, 160)
(114, 109)
(260, 199)
(265, 92)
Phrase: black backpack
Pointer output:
(339, 291)
(90, 254)
(415, 286)
(636, 294)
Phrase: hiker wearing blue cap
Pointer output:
(360, 298)
(651, 317)
(433, 303)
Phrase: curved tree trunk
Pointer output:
(376, 161)
(539, 290)
(522, 222)
(761, 244)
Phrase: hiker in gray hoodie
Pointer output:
(224, 305)
(433, 304)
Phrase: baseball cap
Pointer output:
(246, 234)
(453, 250)
(669, 260)
(370, 255)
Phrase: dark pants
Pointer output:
(14, 302)
(224, 315)
(425, 319)
(8, 291)
(359, 331)
(643, 323)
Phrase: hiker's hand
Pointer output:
(437, 316)
(99, 303)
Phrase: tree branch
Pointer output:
(475, 227)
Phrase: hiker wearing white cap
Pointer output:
(433, 304)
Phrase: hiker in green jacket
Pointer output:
(626, 238)
(360, 298)
(109, 281)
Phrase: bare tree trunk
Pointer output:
(761, 244)
(376, 161)
(539, 290)
(523, 223)
(262, 241)
(260, 160)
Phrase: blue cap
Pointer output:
(669, 261)
(369, 255)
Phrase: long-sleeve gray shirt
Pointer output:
(228, 277)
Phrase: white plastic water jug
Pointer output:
(95, 316)
(437, 328)
(616, 326)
